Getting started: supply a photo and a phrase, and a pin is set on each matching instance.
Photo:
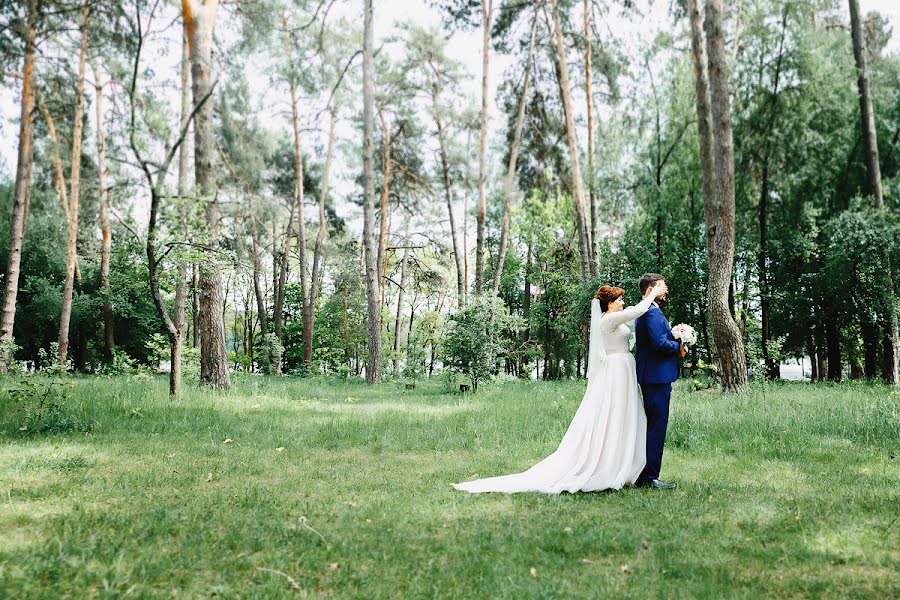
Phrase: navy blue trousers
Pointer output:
(656, 406)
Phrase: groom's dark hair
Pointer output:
(648, 280)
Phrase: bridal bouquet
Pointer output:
(685, 333)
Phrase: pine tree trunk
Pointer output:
(260, 295)
(373, 360)
(301, 221)
(183, 166)
(869, 330)
(867, 113)
(771, 365)
(890, 342)
(526, 308)
(704, 131)
(195, 302)
(105, 229)
(577, 188)
(399, 316)
(821, 346)
(387, 167)
(511, 168)
(199, 18)
(763, 269)
(21, 195)
(487, 7)
(319, 249)
(592, 192)
(448, 192)
(74, 191)
(176, 352)
(833, 341)
(813, 359)
(172, 332)
(281, 283)
(721, 260)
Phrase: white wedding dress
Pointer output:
(605, 445)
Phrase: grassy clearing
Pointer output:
(791, 491)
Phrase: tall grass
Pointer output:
(317, 487)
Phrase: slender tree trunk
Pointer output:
(592, 192)
(465, 241)
(172, 327)
(890, 341)
(373, 361)
(660, 258)
(199, 18)
(867, 113)
(526, 307)
(386, 174)
(399, 316)
(448, 192)
(511, 168)
(172, 332)
(346, 297)
(833, 345)
(771, 365)
(301, 221)
(813, 359)
(577, 187)
(869, 329)
(738, 29)
(74, 191)
(856, 368)
(21, 196)
(763, 268)
(319, 249)
(105, 229)
(727, 337)
(281, 283)
(487, 7)
(176, 354)
(260, 295)
(412, 314)
(183, 166)
(195, 302)
(822, 345)
(704, 131)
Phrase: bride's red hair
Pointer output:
(607, 294)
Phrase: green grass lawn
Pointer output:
(333, 489)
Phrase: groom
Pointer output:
(657, 367)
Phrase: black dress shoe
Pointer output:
(656, 484)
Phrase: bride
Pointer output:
(604, 447)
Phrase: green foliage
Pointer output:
(122, 364)
(41, 407)
(479, 337)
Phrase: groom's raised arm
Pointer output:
(658, 332)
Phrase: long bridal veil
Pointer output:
(596, 351)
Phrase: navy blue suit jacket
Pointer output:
(657, 350)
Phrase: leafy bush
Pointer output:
(479, 337)
(42, 408)
(122, 363)
(47, 362)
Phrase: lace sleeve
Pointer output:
(613, 320)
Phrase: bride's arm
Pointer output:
(631, 313)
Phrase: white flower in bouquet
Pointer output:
(685, 333)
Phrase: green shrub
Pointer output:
(42, 408)
(479, 337)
